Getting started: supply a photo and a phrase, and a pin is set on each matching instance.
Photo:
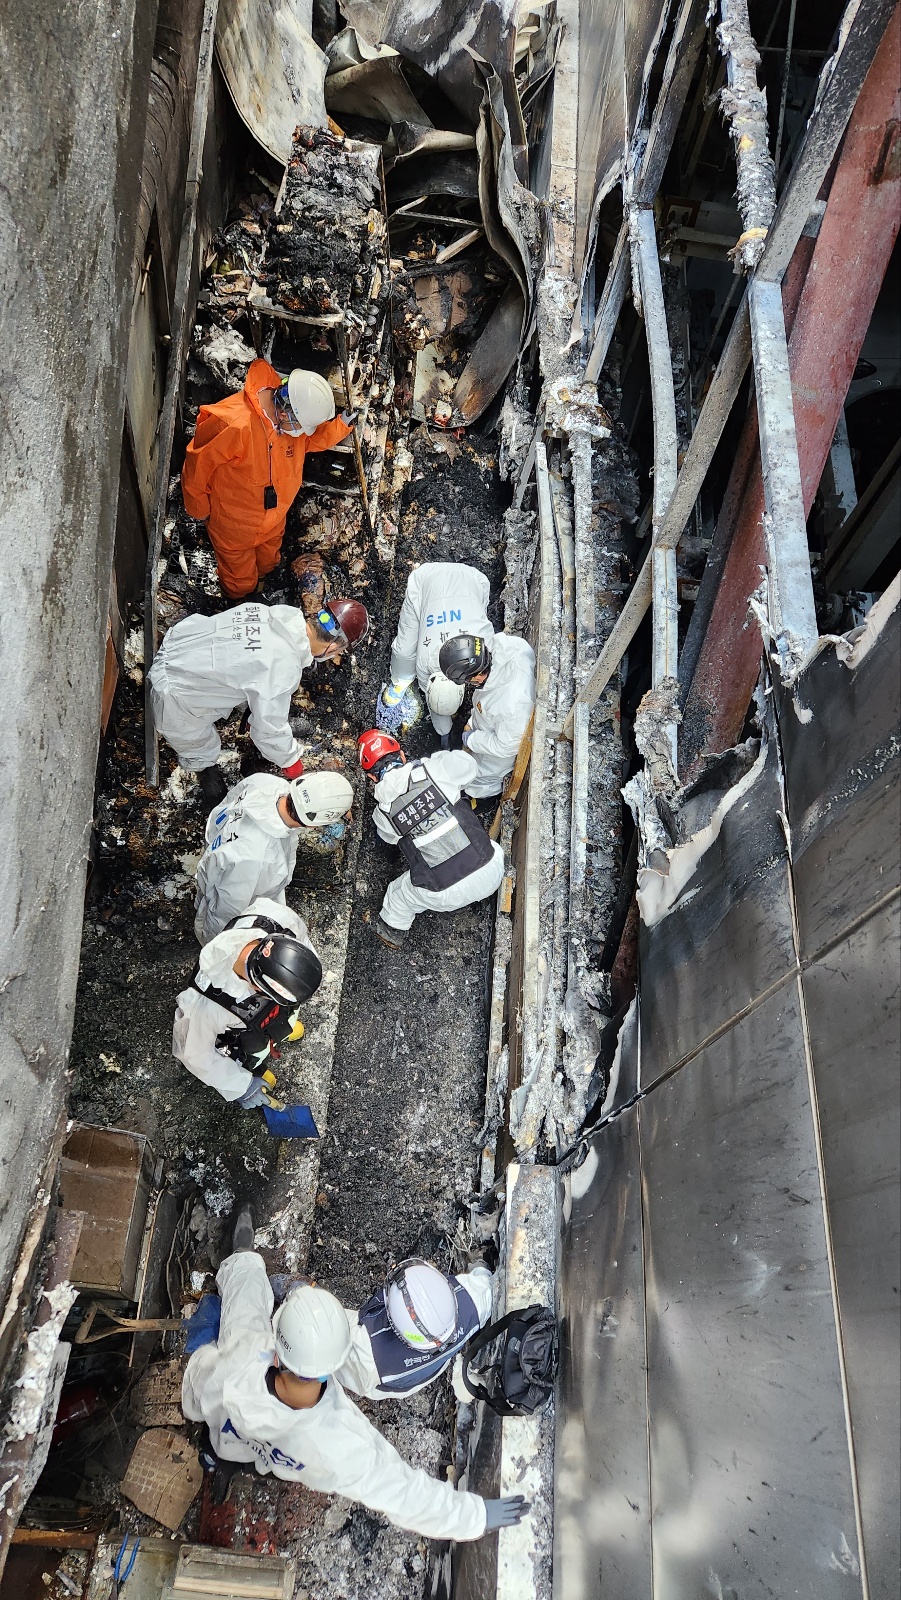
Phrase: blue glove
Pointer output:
(253, 1096)
(393, 693)
(505, 1513)
(467, 735)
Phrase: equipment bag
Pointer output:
(520, 1379)
(441, 843)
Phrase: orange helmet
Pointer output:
(374, 746)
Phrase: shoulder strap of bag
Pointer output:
(486, 1336)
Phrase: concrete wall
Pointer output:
(73, 86)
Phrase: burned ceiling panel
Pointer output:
(262, 47)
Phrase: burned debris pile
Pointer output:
(325, 250)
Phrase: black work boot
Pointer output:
(243, 1234)
(212, 786)
(392, 937)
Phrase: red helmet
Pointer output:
(352, 618)
(374, 746)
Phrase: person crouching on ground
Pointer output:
(451, 860)
(268, 1393)
(252, 839)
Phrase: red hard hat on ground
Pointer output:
(374, 746)
(351, 617)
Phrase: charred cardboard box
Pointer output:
(107, 1173)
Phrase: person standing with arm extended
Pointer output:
(267, 1391)
(250, 656)
(442, 599)
(244, 467)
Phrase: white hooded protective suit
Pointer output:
(199, 1020)
(381, 1365)
(451, 770)
(252, 655)
(501, 709)
(250, 852)
(330, 1447)
(443, 599)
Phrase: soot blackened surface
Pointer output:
(408, 1080)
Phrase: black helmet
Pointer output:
(284, 969)
(464, 658)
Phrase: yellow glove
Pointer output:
(296, 1033)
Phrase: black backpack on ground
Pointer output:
(520, 1379)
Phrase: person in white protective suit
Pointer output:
(502, 673)
(252, 655)
(451, 860)
(268, 1393)
(442, 599)
(409, 1331)
(252, 839)
(243, 999)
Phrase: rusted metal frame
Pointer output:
(685, 45)
(859, 44)
(792, 613)
(862, 29)
(175, 372)
(665, 651)
(850, 257)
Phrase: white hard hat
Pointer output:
(312, 1333)
(321, 798)
(444, 698)
(311, 399)
(421, 1305)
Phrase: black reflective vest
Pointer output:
(399, 1366)
(441, 843)
(265, 1021)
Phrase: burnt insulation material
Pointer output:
(326, 241)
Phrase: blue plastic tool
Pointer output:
(291, 1122)
(125, 1560)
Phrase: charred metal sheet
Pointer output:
(497, 183)
(439, 35)
(840, 735)
(273, 69)
(853, 1011)
(601, 1495)
(376, 88)
(750, 1473)
(843, 775)
(736, 901)
(491, 357)
(455, 173)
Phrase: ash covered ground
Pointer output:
(394, 1057)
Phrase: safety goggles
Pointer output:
(284, 413)
(331, 626)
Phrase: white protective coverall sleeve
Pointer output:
(331, 1446)
(452, 770)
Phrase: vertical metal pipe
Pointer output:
(792, 614)
(665, 657)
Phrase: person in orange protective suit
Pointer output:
(244, 467)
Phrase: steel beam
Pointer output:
(665, 654)
(860, 40)
(792, 614)
(849, 262)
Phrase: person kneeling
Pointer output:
(451, 860)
